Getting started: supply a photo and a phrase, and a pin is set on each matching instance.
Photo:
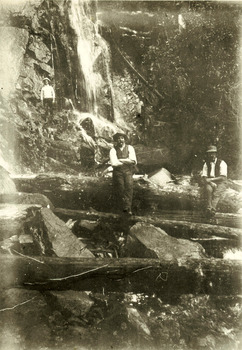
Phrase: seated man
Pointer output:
(214, 176)
(123, 159)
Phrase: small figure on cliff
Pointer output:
(47, 97)
(214, 176)
(123, 160)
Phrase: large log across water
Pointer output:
(176, 228)
(82, 192)
(209, 276)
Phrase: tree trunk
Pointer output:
(209, 276)
(179, 229)
(96, 192)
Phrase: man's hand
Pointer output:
(126, 161)
(210, 181)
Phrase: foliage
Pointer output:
(195, 68)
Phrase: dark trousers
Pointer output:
(123, 189)
(213, 195)
(48, 106)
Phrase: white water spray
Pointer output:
(87, 50)
(94, 56)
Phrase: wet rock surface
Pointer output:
(118, 321)
(149, 241)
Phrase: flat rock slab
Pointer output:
(148, 241)
(64, 243)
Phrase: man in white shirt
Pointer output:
(214, 176)
(47, 96)
(123, 159)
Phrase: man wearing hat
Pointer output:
(123, 159)
(214, 176)
(47, 97)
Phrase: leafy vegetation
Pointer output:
(195, 67)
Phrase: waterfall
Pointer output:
(83, 25)
(94, 57)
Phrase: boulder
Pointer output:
(160, 177)
(148, 241)
(72, 302)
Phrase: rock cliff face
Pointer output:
(109, 61)
(58, 40)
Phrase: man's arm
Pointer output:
(114, 159)
(131, 158)
(215, 180)
(53, 94)
(42, 95)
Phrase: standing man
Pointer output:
(214, 176)
(47, 97)
(123, 161)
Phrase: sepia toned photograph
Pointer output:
(120, 175)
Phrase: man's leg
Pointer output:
(128, 191)
(51, 107)
(217, 194)
(45, 105)
(118, 190)
(208, 194)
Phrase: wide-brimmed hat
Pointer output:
(116, 136)
(46, 79)
(211, 149)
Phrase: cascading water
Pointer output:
(94, 60)
(83, 26)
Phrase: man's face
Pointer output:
(120, 141)
(212, 156)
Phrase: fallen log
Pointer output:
(82, 192)
(160, 276)
(178, 229)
